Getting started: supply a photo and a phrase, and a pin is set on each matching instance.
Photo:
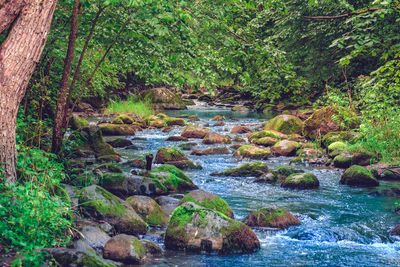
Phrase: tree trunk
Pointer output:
(19, 54)
(59, 125)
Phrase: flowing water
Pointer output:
(340, 225)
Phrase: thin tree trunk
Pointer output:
(19, 54)
(58, 131)
(348, 88)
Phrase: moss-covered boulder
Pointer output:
(323, 121)
(125, 248)
(214, 138)
(148, 209)
(266, 133)
(109, 167)
(362, 158)
(123, 119)
(187, 146)
(110, 129)
(169, 178)
(163, 98)
(211, 151)
(285, 148)
(116, 183)
(208, 200)
(120, 142)
(286, 124)
(165, 155)
(252, 152)
(77, 122)
(168, 204)
(301, 181)
(176, 138)
(340, 136)
(337, 148)
(240, 129)
(75, 257)
(96, 143)
(248, 169)
(271, 217)
(218, 118)
(277, 175)
(358, 176)
(193, 131)
(265, 141)
(175, 121)
(342, 161)
(197, 229)
(103, 205)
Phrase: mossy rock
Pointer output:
(257, 135)
(125, 248)
(109, 158)
(163, 98)
(340, 136)
(75, 257)
(185, 165)
(101, 204)
(271, 217)
(117, 129)
(198, 229)
(358, 176)
(169, 178)
(176, 138)
(192, 131)
(208, 200)
(281, 173)
(123, 119)
(218, 118)
(148, 209)
(342, 161)
(214, 138)
(336, 148)
(301, 181)
(109, 167)
(120, 142)
(83, 179)
(175, 121)
(253, 152)
(211, 151)
(77, 122)
(248, 169)
(165, 155)
(97, 144)
(265, 141)
(287, 124)
(239, 129)
(285, 148)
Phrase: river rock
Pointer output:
(277, 175)
(271, 217)
(396, 230)
(176, 138)
(125, 248)
(265, 133)
(103, 205)
(390, 192)
(152, 249)
(195, 228)
(211, 151)
(340, 136)
(187, 146)
(77, 122)
(167, 203)
(170, 121)
(301, 181)
(265, 141)
(95, 237)
(358, 176)
(252, 152)
(240, 130)
(169, 178)
(117, 129)
(336, 149)
(163, 98)
(165, 155)
(285, 148)
(192, 131)
(220, 123)
(120, 142)
(123, 119)
(148, 209)
(286, 124)
(74, 257)
(218, 118)
(214, 138)
(248, 169)
(208, 200)
(342, 161)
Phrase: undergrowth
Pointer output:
(131, 105)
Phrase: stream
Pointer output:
(340, 225)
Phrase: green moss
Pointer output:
(112, 179)
(110, 167)
(336, 148)
(117, 121)
(77, 122)
(248, 169)
(269, 215)
(175, 121)
(333, 137)
(265, 141)
(112, 207)
(169, 176)
(342, 161)
(89, 260)
(286, 124)
(171, 154)
(139, 248)
(125, 119)
(301, 181)
(261, 134)
(116, 129)
(216, 204)
(357, 170)
(253, 152)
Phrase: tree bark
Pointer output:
(59, 125)
(19, 54)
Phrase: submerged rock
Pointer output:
(125, 248)
(252, 152)
(208, 200)
(287, 124)
(195, 228)
(148, 209)
(301, 181)
(271, 217)
(358, 176)
(248, 169)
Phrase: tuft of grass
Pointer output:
(131, 105)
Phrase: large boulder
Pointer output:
(77, 122)
(248, 169)
(265, 133)
(214, 138)
(103, 205)
(168, 204)
(165, 155)
(208, 200)
(163, 98)
(120, 142)
(342, 136)
(323, 121)
(197, 229)
(75, 257)
(94, 237)
(277, 175)
(169, 178)
(96, 143)
(252, 152)
(148, 209)
(271, 217)
(117, 129)
(358, 176)
(337, 148)
(211, 151)
(125, 248)
(287, 124)
(285, 148)
(240, 129)
(123, 119)
(301, 181)
(265, 141)
(193, 131)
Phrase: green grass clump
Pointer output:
(131, 105)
